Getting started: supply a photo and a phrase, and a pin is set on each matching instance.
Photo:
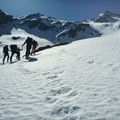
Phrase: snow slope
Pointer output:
(7, 39)
(79, 81)
(106, 28)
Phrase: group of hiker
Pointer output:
(30, 44)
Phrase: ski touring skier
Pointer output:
(28, 42)
(18, 53)
(14, 50)
(6, 53)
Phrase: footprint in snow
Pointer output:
(70, 117)
(47, 73)
(50, 100)
(65, 109)
(60, 91)
(115, 69)
(56, 73)
(52, 77)
(73, 93)
(90, 62)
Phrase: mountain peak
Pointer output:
(107, 16)
(2, 13)
(31, 16)
(107, 12)
(35, 15)
(5, 18)
(111, 14)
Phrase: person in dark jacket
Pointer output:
(28, 43)
(6, 53)
(18, 53)
(13, 51)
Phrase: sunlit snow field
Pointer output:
(79, 81)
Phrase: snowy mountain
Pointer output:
(107, 16)
(78, 81)
(59, 31)
(56, 31)
(106, 23)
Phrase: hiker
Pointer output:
(34, 46)
(6, 53)
(18, 53)
(13, 51)
(28, 43)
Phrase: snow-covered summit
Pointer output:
(106, 23)
(107, 16)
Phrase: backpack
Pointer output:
(35, 43)
(13, 48)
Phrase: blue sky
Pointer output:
(60, 9)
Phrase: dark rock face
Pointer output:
(33, 24)
(43, 26)
(4, 18)
(79, 28)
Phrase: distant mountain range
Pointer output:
(56, 31)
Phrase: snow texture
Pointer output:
(79, 81)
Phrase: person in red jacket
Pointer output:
(34, 46)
